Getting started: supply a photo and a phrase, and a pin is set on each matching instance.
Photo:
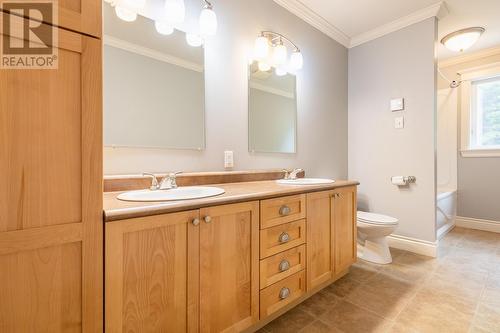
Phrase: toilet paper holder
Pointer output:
(403, 180)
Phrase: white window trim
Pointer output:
(467, 77)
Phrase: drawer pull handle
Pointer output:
(284, 237)
(208, 219)
(284, 265)
(196, 222)
(284, 293)
(285, 210)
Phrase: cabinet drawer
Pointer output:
(282, 265)
(282, 210)
(282, 237)
(282, 293)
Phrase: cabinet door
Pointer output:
(51, 192)
(78, 15)
(319, 239)
(229, 267)
(344, 220)
(152, 274)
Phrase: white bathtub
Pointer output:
(446, 211)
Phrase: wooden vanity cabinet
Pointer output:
(331, 234)
(51, 246)
(195, 271)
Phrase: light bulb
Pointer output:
(208, 22)
(280, 71)
(194, 40)
(296, 60)
(261, 48)
(175, 11)
(125, 13)
(264, 66)
(164, 28)
(279, 54)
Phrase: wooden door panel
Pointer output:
(344, 216)
(41, 290)
(319, 239)
(51, 171)
(229, 267)
(152, 275)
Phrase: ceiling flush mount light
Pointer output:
(208, 20)
(463, 39)
(271, 50)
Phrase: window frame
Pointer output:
(468, 117)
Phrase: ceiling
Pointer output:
(357, 21)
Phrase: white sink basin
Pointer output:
(305, 181)
(180, 193)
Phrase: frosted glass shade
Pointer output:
(279, 55)
(463, 39)
(208, 22)
(194, 40)
(296, 60)
(261, 48)
(164, 28)
(175, 11)
(126, 14)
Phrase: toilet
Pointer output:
(373, 230)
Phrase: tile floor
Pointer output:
(457, 292)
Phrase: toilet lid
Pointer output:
(373, 218)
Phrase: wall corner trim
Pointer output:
(305, 13)
(414, 245)
(478, 224)
(438, 10)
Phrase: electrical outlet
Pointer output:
(397, 104)
(228, 159)
(399, 122)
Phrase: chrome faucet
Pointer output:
(154, 181)
(170, 181)
(292, 175)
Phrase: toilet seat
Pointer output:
(377, 219)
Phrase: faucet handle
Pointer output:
(154, 181)
(287, 174)
(174, 174)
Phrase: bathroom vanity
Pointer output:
(227, 263)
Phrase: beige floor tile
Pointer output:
(397, 327)
(320, 303)
(407, 273)
(292, 321)
(458, 283)
(353, 319)
(363, 271)
(343, 287)
(433, 311)
(416, 260)
(491, 296)
(320, 327)
(487, 318)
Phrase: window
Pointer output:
(480, 109)
(485, 114)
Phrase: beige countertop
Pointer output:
(115, 209)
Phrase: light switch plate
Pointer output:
(399, 122)
(397, 104)
(228, 159)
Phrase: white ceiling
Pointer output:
(356, 21)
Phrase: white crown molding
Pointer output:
(469, 57)
(438, 10)
(150, 53)
(305, 13)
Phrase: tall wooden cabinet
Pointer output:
(51, 192)
(193, 271)
(331, 234)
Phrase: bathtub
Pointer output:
(446, 211)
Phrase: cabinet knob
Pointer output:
(285, 210)
(196, 221)
(284, 293)
(284, 265)
(207, 219)
(284, 237)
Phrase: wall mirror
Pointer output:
(154, 86)
(272, 111)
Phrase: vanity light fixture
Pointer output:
(208, 20)
(163, 27)
(271, 51)
(175, 11)
(463, 39)
(194, 40)
(127, 9)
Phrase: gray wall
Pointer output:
(401, 64)
(478, 178)
(321, 94)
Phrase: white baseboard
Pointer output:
(413, 245)
(445, 229)
(478, 224)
